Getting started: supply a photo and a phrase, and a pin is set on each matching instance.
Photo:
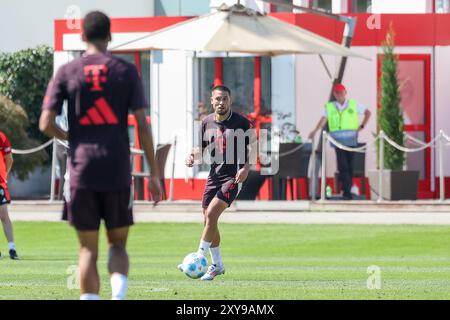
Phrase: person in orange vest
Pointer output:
(342, 117)
(6, 162)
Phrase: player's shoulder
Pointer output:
(68, 69)
(122, 64)
(61, 71)
(243, 120)
(209, 118)
(75, 63)
(111, 60)
(239, 116)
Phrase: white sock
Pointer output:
(119, 284)
(215, 256)
(203, 247)
(89, 296)
(11, 246)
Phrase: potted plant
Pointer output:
(398, 184)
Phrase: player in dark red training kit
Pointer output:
(229, 139)
(100, 90)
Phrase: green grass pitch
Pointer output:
(262, 262)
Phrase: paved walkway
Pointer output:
(191, 213)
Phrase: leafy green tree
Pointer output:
(14, 123)
(24, 76)
(390, 118)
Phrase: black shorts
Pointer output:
(4, 196)
(224, 190)
(85, 209)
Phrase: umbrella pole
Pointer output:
(349, 31)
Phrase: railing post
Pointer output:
(133, 183)
(173, 168)
(441, 167)
(313, 172)
(324, 166)
(381, 167)
(53, 173)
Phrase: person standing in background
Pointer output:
(342, 117)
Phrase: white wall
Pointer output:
(442, 94)
(37, 186)
(401, 6)
(25, 23)
(172, 105)
(283, 92)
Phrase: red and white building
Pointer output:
(294, 88)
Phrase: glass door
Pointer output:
(414, 81)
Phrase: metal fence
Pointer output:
(54, 142)
(441, 140)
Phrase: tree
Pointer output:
(23, 79)
(390, 118)
(14, 123)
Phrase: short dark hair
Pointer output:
(96, 26)
(221, 87)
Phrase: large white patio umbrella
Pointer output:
(237, 29)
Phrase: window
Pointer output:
(266, 86)
(131, 136)
(206, 72)
(239, 75)
(360, 5)
(145, 75)
(206, 83)
(276, 8)
(142, 62)
(181, 7)
(322, 4)
(129, 57)
(442, 6)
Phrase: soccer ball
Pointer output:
(195, 265)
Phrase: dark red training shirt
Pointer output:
(100, 90)
(217, 136)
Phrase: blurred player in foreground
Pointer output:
(100, 90)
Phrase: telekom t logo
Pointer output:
(96, 74)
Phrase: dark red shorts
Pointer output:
(224, 190)
(4, 195)
(86, 209)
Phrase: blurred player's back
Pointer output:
(100, 90)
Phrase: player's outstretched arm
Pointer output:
(146, 141)
(48, 126)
